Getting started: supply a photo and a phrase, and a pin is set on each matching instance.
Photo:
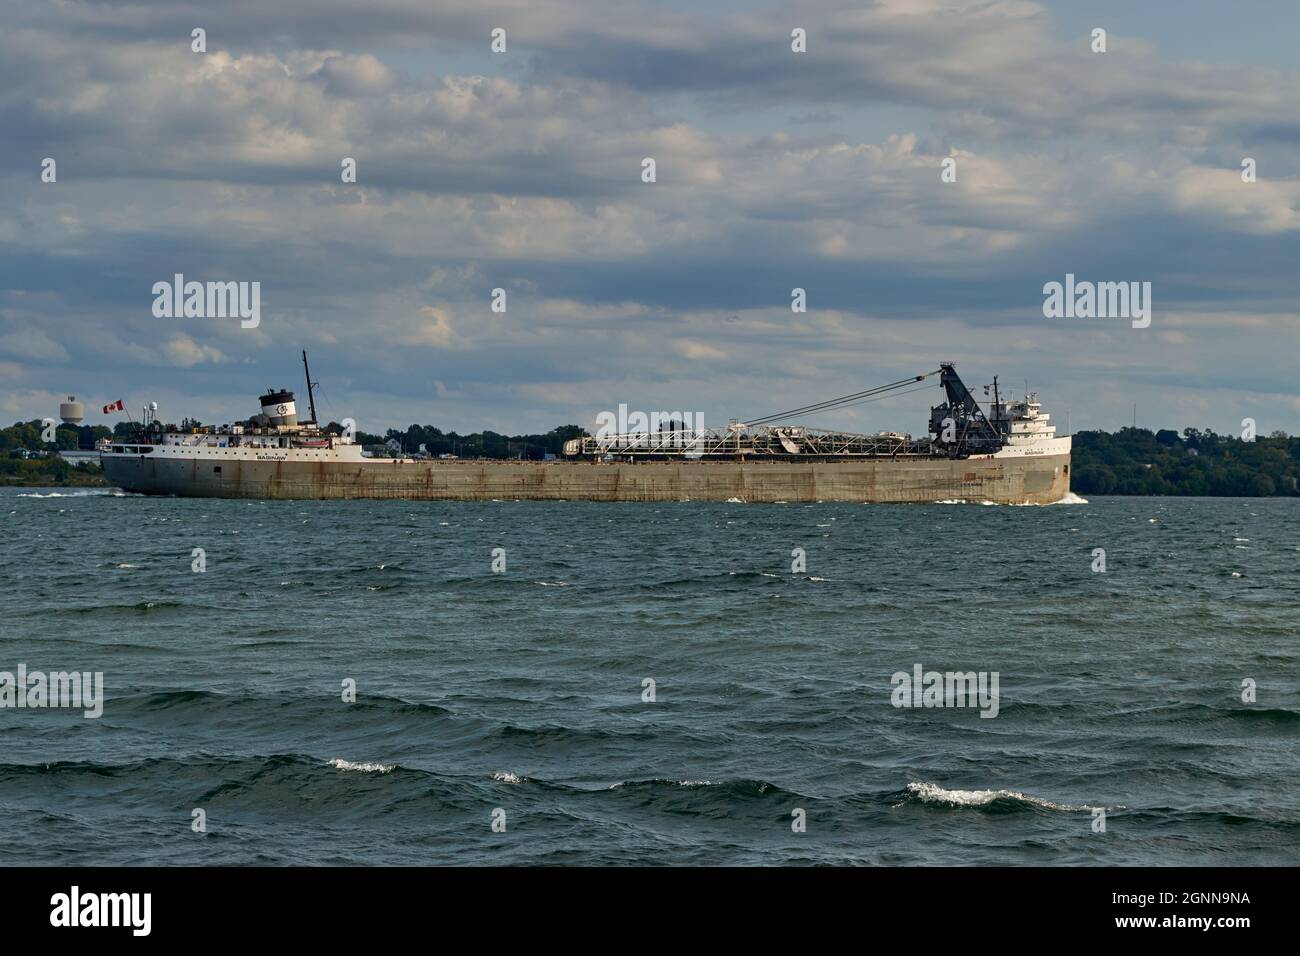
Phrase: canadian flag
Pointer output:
(116, 406)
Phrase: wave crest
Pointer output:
(933, 793)
(338, 763)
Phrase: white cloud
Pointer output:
(698, 351)
(185, 352)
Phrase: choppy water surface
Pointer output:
(523, 690)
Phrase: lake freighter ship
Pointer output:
(1011, 455)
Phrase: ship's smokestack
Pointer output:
(280, 408)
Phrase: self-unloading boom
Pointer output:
(958, 425)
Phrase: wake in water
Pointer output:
(94, 493)
(1070, 499)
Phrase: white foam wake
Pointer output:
(110, 492)
(933, 793)
(338, 763)
(1070, 499)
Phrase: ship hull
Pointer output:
(1004, 480)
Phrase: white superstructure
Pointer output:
(274, 435)
(1029, 429)
(239, 444)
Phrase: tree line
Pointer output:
(25, 438)
(1137, 461)
(484, 444)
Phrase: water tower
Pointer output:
(72, 411)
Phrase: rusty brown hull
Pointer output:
(1039, 480)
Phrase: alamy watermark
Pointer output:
(922, 688)
(75, 908)
(208, 300)
(82, 690)
(1099, 300)
(682, 431)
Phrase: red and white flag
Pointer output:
(116, 406)
(986, 389)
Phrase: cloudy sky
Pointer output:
(522, 170)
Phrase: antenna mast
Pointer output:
(311, 399)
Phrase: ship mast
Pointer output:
(311, 399)
(1004, 427)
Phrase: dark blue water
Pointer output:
(522, 691)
